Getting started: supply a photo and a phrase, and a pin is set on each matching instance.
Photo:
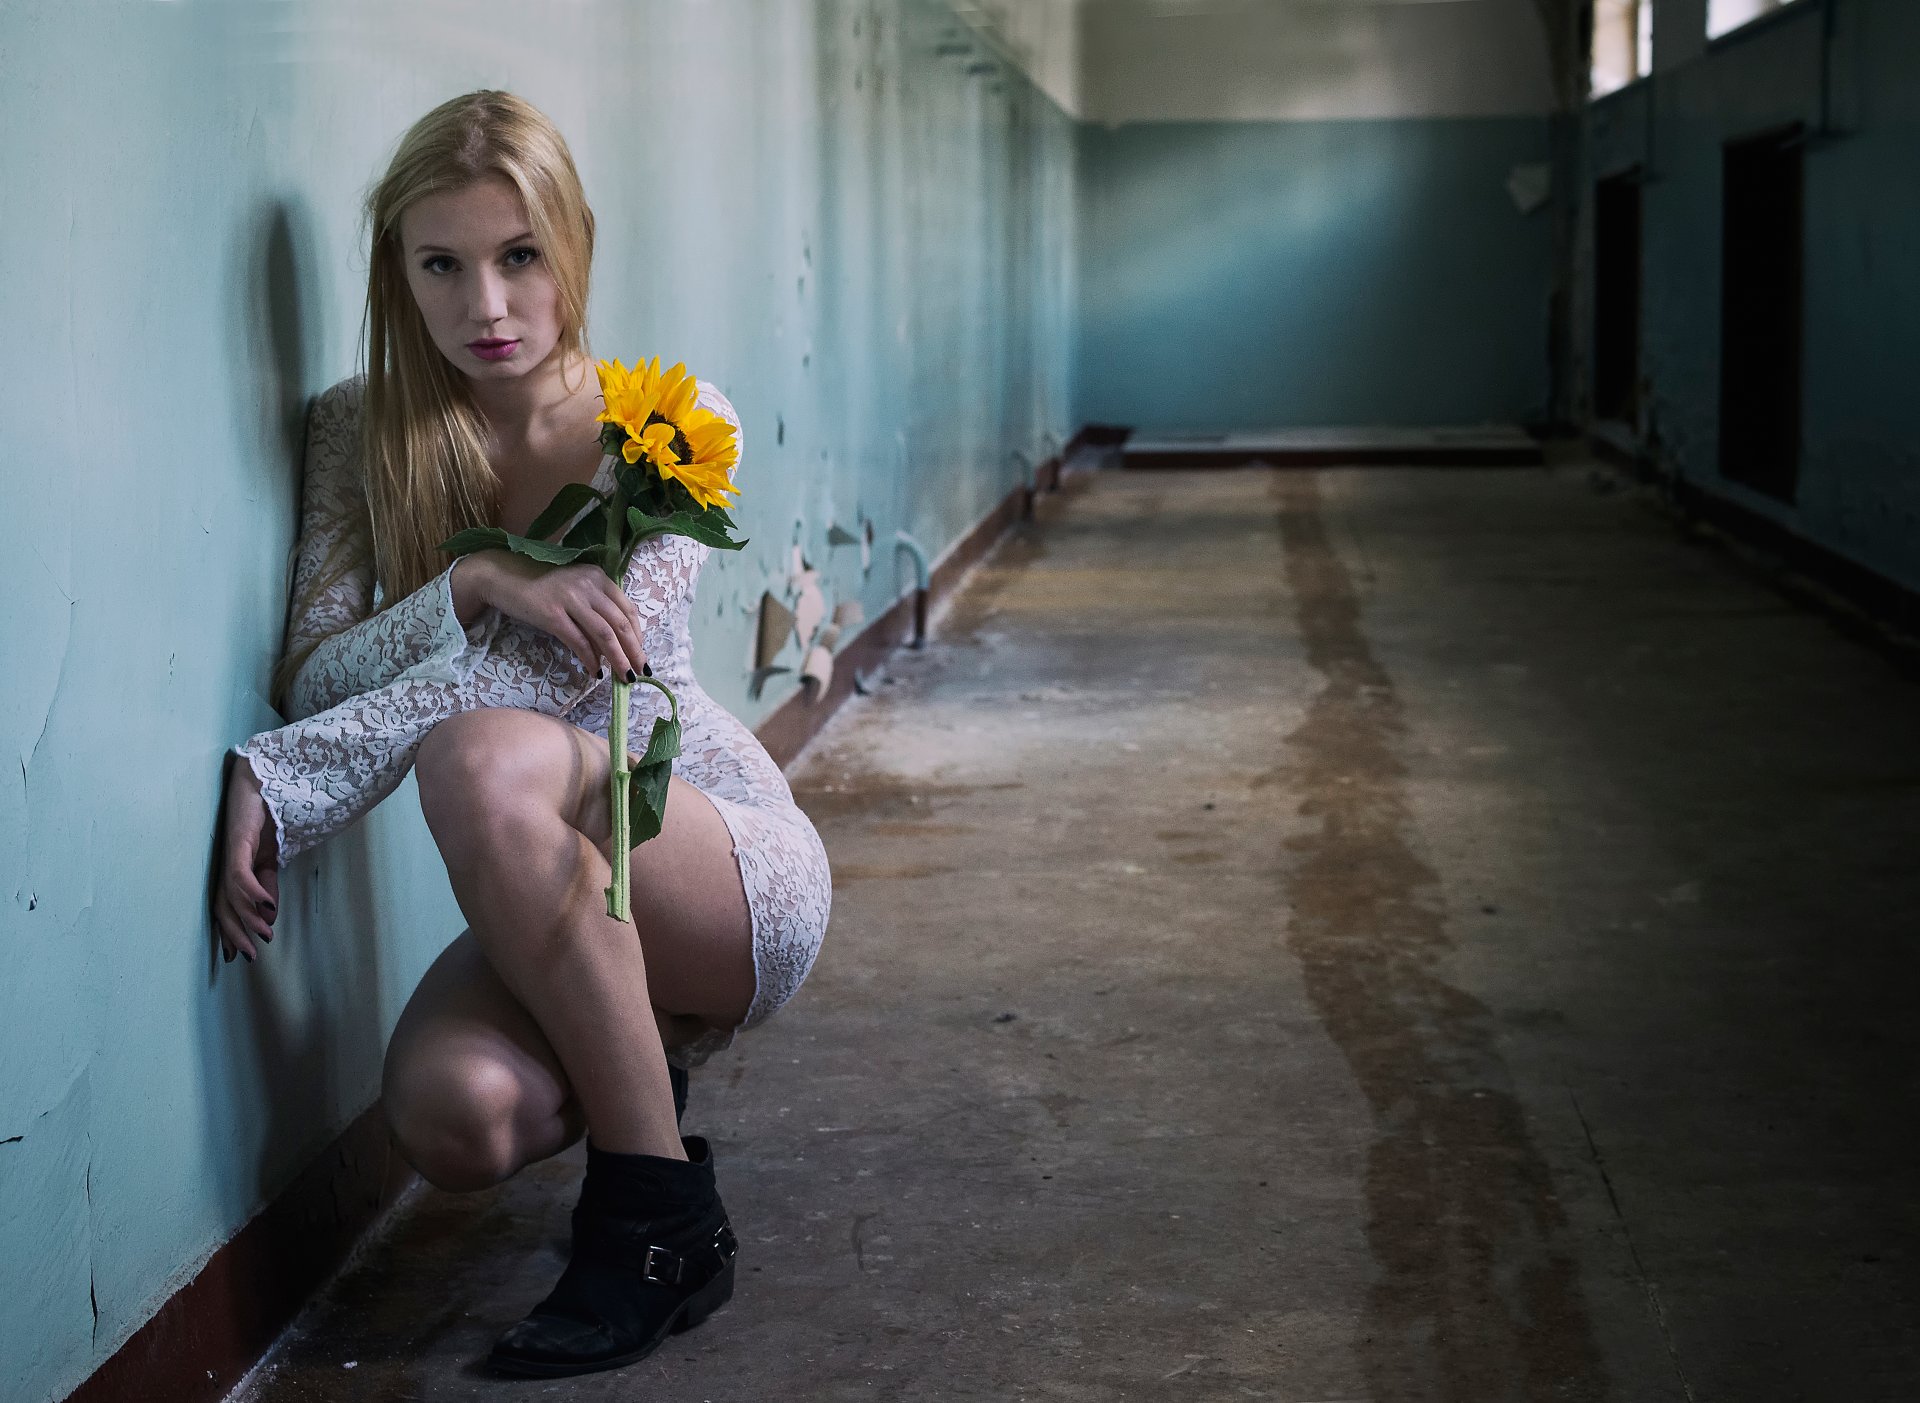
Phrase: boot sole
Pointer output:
(691, 1312)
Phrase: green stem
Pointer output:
(620, 889)
(673, 702)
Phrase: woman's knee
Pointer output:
(459, 1126)
(482, 772)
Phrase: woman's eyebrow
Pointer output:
(525, 236)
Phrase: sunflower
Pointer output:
(664, 425)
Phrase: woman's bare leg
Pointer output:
(472, 1088)
(517, 803)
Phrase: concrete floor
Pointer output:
(1386, 935)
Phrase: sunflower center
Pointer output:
(682, 450)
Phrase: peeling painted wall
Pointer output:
(1860, 475)
(850, 214)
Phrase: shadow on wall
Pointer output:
(292, 1050)
(273, 317)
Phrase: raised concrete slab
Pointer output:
(1303, 936)
(1477, 445)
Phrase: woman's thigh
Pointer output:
(689, 903)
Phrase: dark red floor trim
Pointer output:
(216, 1327)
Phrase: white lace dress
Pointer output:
(377, 683)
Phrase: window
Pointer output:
(1622, 43)
(1726, 15)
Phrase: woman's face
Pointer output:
(480, 280)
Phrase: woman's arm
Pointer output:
(349, 648)
(320, 773)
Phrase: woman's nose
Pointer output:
(487, 297)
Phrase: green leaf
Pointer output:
(474, 538)
(617, 511)
(648, 785)
(540, 550)
(698, 526)
(664, 743)
(647, 800)
(493, 538)
(590, 530)
(565, 505)
(633, 480)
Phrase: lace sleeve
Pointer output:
(353, 649)
(320, 773)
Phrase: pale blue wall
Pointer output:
(1860, 476)
(868, 246)
(1312, 272)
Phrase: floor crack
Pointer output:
(1647, 1284)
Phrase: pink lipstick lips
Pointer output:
(492, 348)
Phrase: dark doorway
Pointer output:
(1760, 313)
(1616, 296)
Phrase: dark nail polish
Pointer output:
(271, 909)
(249, 957)
(229, 956)
(632, 676)
(647, 668)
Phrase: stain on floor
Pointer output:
(1478, 1297)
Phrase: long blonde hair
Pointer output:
(422, 439)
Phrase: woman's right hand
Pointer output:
(578, 604)
(248, 889)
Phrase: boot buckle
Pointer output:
(661, 1267)
(725, 1243)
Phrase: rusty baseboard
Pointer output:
(216, 1327)
(1869, 606)
(210, 1332)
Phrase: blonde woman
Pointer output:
(544, 1019)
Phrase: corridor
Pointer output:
(1374, 934)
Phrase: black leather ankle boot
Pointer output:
(652, 1256)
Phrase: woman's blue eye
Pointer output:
(430, 264)
(514, 260)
